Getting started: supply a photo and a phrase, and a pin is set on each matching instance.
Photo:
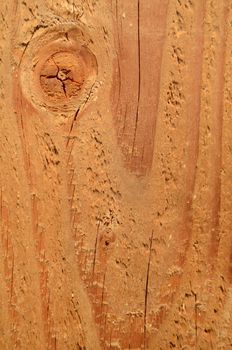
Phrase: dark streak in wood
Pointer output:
(147, 290)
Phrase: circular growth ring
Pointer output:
(58, 69)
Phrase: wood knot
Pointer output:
(59, 69)
(62, 76)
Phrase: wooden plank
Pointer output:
(115, 174)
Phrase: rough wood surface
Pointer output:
(116, 174)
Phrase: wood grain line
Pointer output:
(137, 79)
(194, 84)
(217, 118)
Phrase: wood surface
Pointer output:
(116, 174)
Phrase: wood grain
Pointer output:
(116, 175)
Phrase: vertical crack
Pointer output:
(103, 291)
(118, 60)
(146, 290)
(63, 86)
(139, 77)
(95, 250)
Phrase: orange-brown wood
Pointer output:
(116, 173)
